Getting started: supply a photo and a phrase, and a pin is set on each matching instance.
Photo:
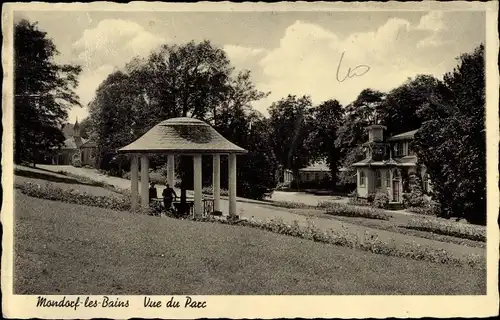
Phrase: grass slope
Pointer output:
(63, 248)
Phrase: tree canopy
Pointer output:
(192, 80)
(43, 93)
(453, 146)
(291, 128)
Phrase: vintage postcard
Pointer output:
(224, 160)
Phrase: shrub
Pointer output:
(414, 199)
(155, 209)
(370, 197)
(448, 228)
(77, 163)
(209, 191)
(338, 209)
(357, 201)
(381, 200)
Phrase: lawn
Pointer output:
(63, 248)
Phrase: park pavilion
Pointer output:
(184, 137)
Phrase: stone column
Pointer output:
(389, 187)
(134, 178)
(144, 181)
(216, 182)
(171, 170)
(198, 207)
(232, 184)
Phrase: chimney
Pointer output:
(376, 133)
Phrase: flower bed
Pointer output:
(370, 242)
(339, 209)
(51, 192)
(459, 230)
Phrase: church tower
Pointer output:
(76, 129)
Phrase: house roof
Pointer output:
(88, 144)
(408, 161)
(316, 167)
(371, 162)
(182, 135)
(73, 143)
(403, 136)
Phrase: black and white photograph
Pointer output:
(175, 154)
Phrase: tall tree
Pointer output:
(327, 119)
(291, 124)
(357, 116)
(417, 100)
(192, 80)
(43, 92)
(453, 147)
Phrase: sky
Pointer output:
(300, 53)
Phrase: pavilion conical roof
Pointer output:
(182, 136)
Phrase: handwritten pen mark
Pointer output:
(358, 71)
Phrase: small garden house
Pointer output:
(388, 165)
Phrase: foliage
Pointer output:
(415, 196)
(453, 146)
(381, 200)
(459, 230)
(417, 100)
(77, 163)
(346, 210)
(358, 115)
(327, 119)
(191, 80)
(291, 126)
(430, 208)
(43, 92)
(209, 191)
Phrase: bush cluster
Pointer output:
(459, 230)
(209, 191)
(339, 209)
(430, 208)
(290, 205)
(381, 200)
(52, 192)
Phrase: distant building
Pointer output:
(76, 150)
(387, 164)
(317, 171)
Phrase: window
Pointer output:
(378, 179)
(362, 178)
(399, 149)
(426, 183)
(316, 176)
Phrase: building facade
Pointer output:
(388, 164)
(76, 150)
